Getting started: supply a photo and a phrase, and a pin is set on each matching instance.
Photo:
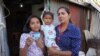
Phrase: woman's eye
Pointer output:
(58, 14)
(49, 18)
(46, 18)
(38, 22)
(62, 13)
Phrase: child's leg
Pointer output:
(55, 45)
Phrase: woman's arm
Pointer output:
(23, 51)
(65, 53)
(53, 51)
(40, 43)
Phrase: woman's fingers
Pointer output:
(52, 51)
(29, 41)
(67, 53)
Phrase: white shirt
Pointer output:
(33, 50)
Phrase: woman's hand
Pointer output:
(66, 53)
(52, 51)
(29, 41)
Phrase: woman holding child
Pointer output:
(62, 40)
(67, 35)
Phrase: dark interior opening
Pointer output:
(17, 19)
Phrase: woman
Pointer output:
(67, 35)
(31, 42)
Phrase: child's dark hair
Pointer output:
(26, 28)
(48, 13)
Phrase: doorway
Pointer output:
(20, 10)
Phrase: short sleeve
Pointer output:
(23, 40)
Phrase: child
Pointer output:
(49, 30)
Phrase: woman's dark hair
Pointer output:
(48, 13)
(66, 9)
(26, 28)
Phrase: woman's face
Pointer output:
(63, 16)
(34, 24)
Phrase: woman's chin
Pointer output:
(35, 30)
(61, 22)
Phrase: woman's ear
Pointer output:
(69, 16)
(29, 27)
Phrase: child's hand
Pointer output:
(54, 47)
(29, 41)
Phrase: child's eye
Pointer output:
(38, 22)
(46, 18)
(32, 23)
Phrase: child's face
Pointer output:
(35, 24)
(48, 19)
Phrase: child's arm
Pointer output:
(27, 43)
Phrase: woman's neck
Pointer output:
(63, 26)
(34, 31)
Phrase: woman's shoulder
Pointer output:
(24, 35)
(73, 27)
(56, 27)
(74, 31)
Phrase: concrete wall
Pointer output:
(95, 24)
(35, 9)
(95, 29)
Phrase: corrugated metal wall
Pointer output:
(78, 13)
(95, 24)
(78, 16)
(3, 36)
(95, 29)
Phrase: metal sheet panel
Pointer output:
(3, 36)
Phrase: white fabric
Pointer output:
(81, 53)
(33, 50)
(91, 52)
